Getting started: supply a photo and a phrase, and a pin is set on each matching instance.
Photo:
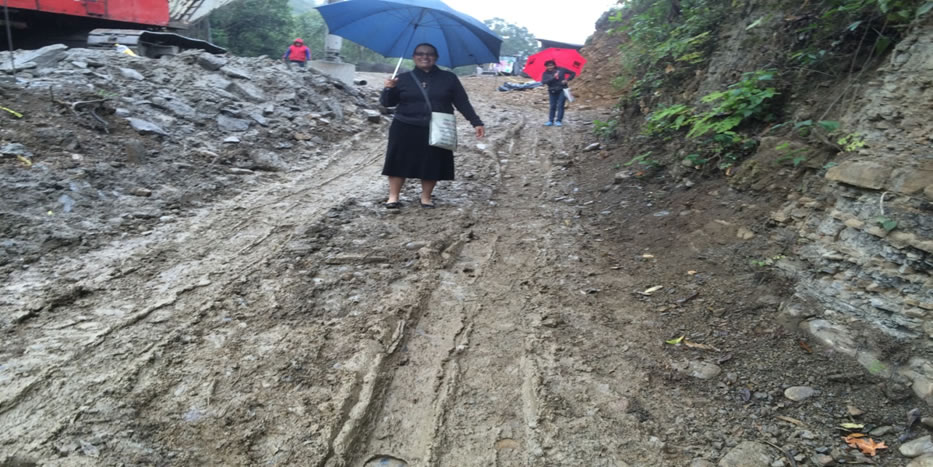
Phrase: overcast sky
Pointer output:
(565, 21)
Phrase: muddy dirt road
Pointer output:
(300, 323)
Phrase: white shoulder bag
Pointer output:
(443, 125)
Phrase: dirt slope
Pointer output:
(291, 320)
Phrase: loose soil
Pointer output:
(548, 312)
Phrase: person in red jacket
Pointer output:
(298, 53)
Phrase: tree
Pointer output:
(254, 27)
(516, 40)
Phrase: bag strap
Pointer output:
(423, 92)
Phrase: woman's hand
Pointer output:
(391, 82)
(480, 131)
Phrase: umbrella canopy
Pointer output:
(564, 58)
(394, 27)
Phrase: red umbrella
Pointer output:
(565, 58)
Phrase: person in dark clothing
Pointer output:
(556, 79)
(297, 53)
(408, 154)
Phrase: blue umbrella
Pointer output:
(393, 27)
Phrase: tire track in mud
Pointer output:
(112, 338)
(495, 371)
(473, 339)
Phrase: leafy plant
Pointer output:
(741, 101)
(696, 160)
(666, 41)
(851, 142)
(887, 224)
(643, 160)
(605, 130)
(795, 156)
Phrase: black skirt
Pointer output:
(410, 156)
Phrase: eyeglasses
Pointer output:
(424, 54)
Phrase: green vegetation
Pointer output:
(516, 40)
(254, 27)
(874, 25)
(644, 161)
(667, 41)
(605, 130)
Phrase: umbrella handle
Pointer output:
(395, 73)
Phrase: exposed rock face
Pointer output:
(866, 248)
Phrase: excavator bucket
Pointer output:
(152, 44)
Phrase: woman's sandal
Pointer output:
(393, 205)
(427, 205)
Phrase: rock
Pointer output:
(881, 430)
(175, 107)
(920, 373)
(249, 91)
(747, 454)
(701, 463)
(235, 72)
(823, 459)
(240, 171)
(917, 447)
(232, 140)
(144, 127)
(745, 234)
(227, 123)
(19, 66)
(211, 62)
(372, 116)
(14, 149)
(39, 58)
(799, 393)
(854, 411)
(922, 461)
(592, 147)
(865, 174)
(130, 73)
(698, 369)
(621, 176)
(143, 192)
(212, 81)
(258, 118)
(267, 160)
(928, 191)
(909, 180)
(830, 335)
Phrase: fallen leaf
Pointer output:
(12, 112)
(867, 446)
(694, 345)
(691, 273)
(652, 290)
(804, 346)
(25, 161)
(675, 341)
(790, 420)
(647, 256)
(852, 426)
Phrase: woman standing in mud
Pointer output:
(408, 154)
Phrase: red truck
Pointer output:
(147, 26)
